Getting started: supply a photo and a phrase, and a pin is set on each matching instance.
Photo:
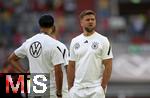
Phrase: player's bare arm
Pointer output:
(71, 73)
(58, 79)
(107, 72)
(66, 67)
(14, 60)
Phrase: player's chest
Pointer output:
(87, 47)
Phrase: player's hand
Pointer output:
(59, 95)
(104, 88)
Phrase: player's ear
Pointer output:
(81, 22)
(54, 29)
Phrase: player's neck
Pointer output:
(88, 33)
(53, 36)
(47, 31)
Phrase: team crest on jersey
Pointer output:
(77, 46)
(94, 45)
(35, 49)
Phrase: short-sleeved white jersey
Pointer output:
(65, 53)
(63, 49)
(42, 53)
(88, 53)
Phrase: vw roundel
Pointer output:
(35, 49)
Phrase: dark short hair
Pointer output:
(46, 21)
(86, 12)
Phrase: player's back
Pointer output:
(40, 49)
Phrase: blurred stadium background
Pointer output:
(125, 22)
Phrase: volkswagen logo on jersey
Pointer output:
(77, 46)
(35, 49)
(94, 45)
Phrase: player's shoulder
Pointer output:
(101, 37)
(78, 38)
(35, 37)
(60, 44)
(43, 39)
(29, 40)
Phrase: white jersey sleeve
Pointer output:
(72, 56)
(63, 49)
(65, 55)
(56, 56)
(107, 50)
(21, 51)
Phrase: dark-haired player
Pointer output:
(42, 53)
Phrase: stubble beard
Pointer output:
(89, 29)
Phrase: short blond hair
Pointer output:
(86, 12)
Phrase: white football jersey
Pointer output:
(42, 53)
(65, 53)
(88, 53)
(63, 49)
